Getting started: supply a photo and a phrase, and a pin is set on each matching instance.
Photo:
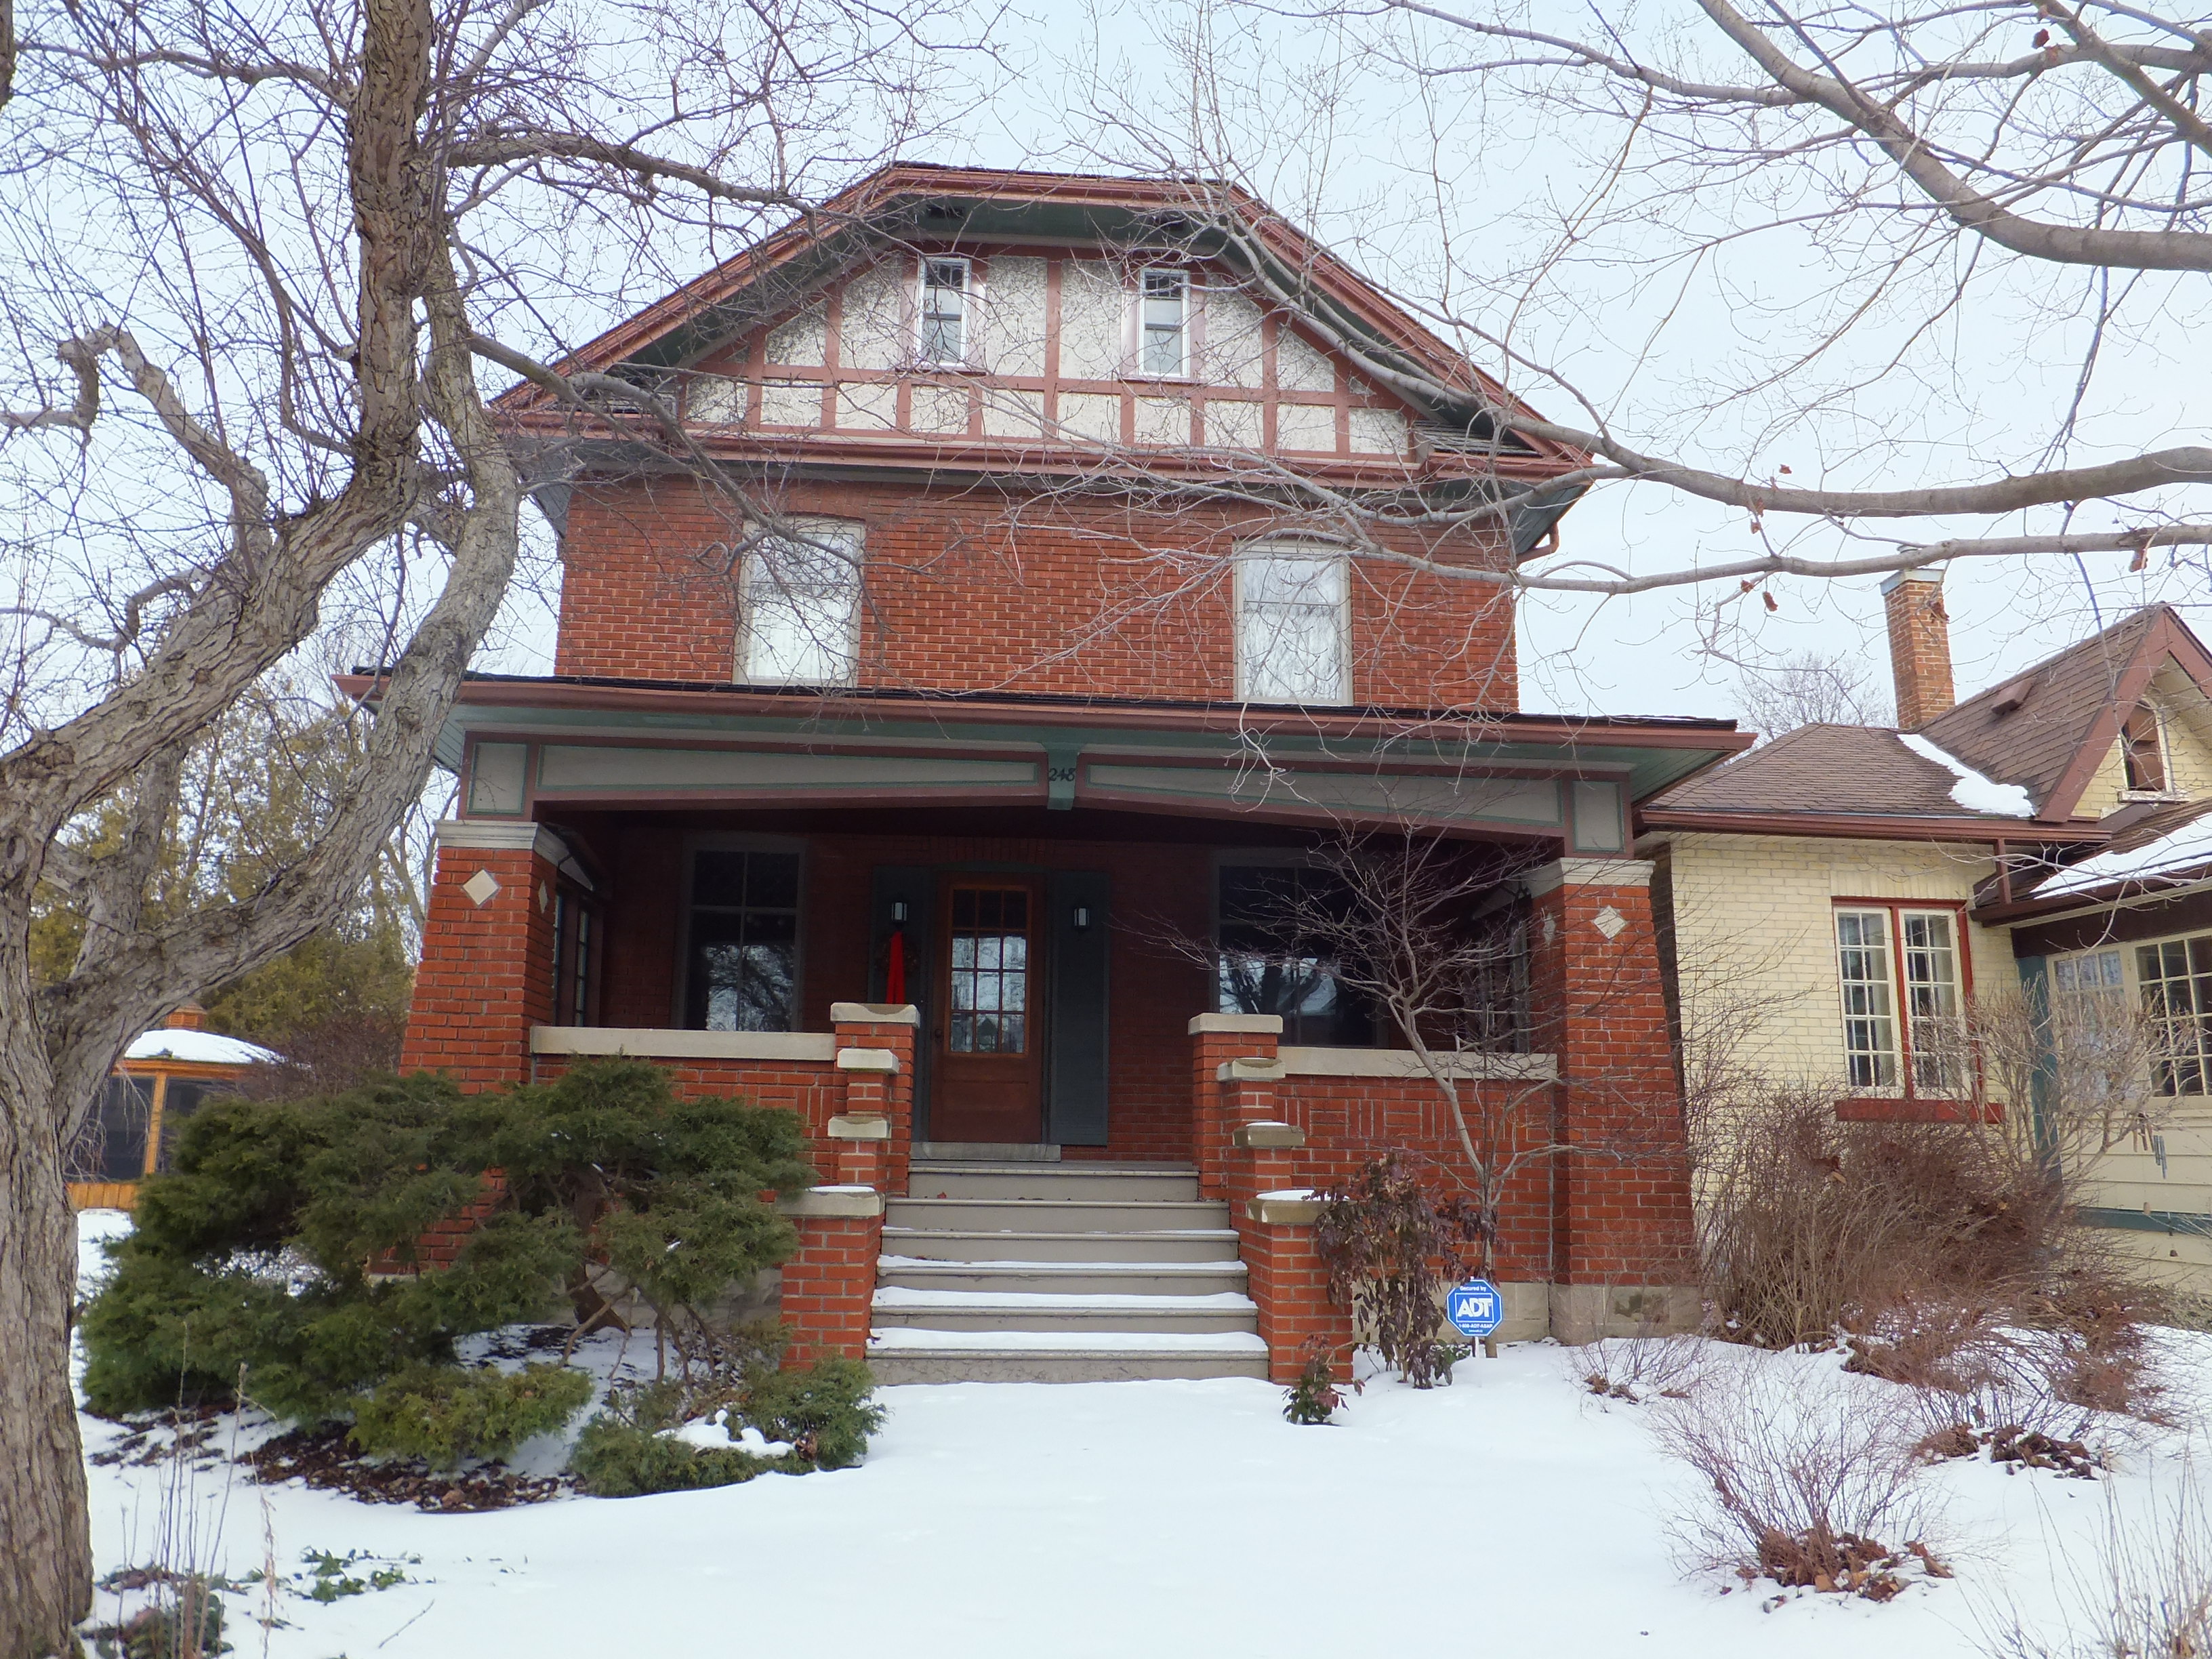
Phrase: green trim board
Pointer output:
(1521, 803)
(930, 731)
(569, 769)
(2147, 1221)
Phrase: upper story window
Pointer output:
(944, 293)
(743, 972)
(1163, 322)
(1902, 979)
(1294, 640)
(2142, 752)
(802, 606)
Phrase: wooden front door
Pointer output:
(989, 1012)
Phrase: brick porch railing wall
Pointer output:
(1592, 1240)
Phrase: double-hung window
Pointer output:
(1902, 976)
(1293, 634)
(1163, 322)
(944, 293)
(802, 606)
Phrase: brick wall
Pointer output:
(1621, 1195)
(486, 976)
(829, 1286)
(970, 589)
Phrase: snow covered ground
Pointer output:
(1155, 1519)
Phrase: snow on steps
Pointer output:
(1060, 1272)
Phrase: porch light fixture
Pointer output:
(898, 910)
(1081, 918)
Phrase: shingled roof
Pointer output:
(1829, 779)
(2050, 728)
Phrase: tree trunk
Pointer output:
(46, 1540)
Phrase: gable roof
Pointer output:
(1838, 780)
(2050, 728)
(911, 202)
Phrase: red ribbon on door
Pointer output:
(895, 973)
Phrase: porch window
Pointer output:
(1292, 633)
(1162, 323)
(802, 606)
(575, 942)
(945, 312)
(1903, 1000)
(743, 968)
(1270, 962)
(2176, 976)
(112, 1144)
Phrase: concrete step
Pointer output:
(1038, 1215)
(1149, 1278)
(1032, 1311)
(904, 1354)
(1116, 1183)
(944, 1244)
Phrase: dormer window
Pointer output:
(2142, 751)
(944, 284)
(1163, 322)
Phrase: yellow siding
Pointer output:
(2107, 788)
(1755, 939)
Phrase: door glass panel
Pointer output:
(990, 972)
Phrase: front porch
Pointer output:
(548, 946)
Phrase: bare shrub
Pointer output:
(1810, 1485)
(2147, 1594)
(1638, 1369)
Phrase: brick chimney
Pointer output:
(1919, 646)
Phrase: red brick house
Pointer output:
(877, 782)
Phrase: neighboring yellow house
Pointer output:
(162, 1079)
(1835, 903)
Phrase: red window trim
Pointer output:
(1907, 1105)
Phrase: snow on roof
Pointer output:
(1972, 791)
(197, 1048)
(2176, 851)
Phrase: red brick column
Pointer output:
(829, 1286)
(1215, 1040)
(880, 1028)
(1284, 1277)
(1622, 1221)
(487, 971)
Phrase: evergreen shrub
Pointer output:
(441, 1413)
(825, 1412)
(281, 1254)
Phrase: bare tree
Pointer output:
(1430, 935)
(1810, 689)
(268, 249)
(1919, 165)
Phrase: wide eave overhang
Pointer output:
(635, 744)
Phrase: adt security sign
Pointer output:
(1475, 1309)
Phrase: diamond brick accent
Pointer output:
(481, 888)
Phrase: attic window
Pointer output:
(1162, 322)
(944, 311)
(2142, 751)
